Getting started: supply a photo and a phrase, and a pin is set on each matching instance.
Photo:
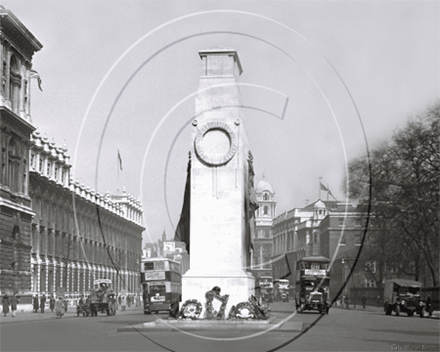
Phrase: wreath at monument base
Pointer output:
(191, 309)
(249, 310)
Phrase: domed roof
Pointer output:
(263, 185)
(319, 204)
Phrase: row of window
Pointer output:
(69, 248)
(52, 170)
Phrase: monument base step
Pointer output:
(214, 325)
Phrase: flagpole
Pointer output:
(319, 187)
(117, 170)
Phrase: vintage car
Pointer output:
(403, 296)
(314, 302)
(83, 308)
(100, 297)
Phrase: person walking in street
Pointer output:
(364, 301)
(5, 303)
(59, 308)
(43, 303)
(123, 302)
(36, 304)
(13, 301)
(52, 302)
(347, 301)
(66, 305)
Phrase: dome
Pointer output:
(319, 204)
(263, 185)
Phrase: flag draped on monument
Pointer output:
(182, 231)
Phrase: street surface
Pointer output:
(341, 330)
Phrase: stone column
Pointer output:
(7, 75)
(2, 92)
(27, 105)
(22, 93)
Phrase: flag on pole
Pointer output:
(330, 193)
(34, 74)
(323, 187)
(120, 160)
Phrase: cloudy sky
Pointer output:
(121, 75)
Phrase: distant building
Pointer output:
(262, 253)
(323, 228)
(171, 249)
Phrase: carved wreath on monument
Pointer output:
(216, 143)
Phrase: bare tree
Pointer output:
(405, 195)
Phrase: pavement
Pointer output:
(30, 316)
(278, 310)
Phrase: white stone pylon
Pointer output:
(219, 241)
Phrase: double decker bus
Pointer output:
(161, 283)
(312, 284)
(264, 289)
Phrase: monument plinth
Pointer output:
(219, 229)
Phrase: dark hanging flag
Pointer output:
(120, 160)
(182, 231)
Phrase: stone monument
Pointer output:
(221, 173)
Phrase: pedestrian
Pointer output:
(59, 308)
(52, 302)
(66, 305)
(36, 304)
(43, 303)
(378, 300)
(429, 306)
(13, 301)
(364, 301)
(347, 301)
(123, 302)
(5, 302)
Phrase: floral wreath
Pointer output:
(191, 309)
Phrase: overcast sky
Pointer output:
(131, 63)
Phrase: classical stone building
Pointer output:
(17, 46)
(79, 235)
(56, 234)
(323, 228)
(264, 215)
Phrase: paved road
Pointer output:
(341, 330)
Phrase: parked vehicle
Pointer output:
(403, 296)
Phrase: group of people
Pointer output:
(60, 306)
(40, 304)
(10, 301)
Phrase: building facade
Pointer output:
(17, 47)
(56, 234)
(262, 241)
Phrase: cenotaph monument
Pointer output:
(221, 185)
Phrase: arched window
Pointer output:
(265, 196)
(266, 210)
